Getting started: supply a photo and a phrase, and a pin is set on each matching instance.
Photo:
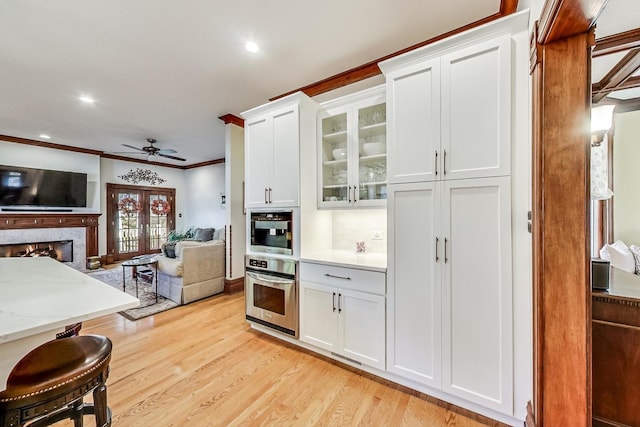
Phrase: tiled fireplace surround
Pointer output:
(38, 227)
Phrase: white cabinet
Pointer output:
(450, 302)
(273, 134)
(456, 120)
(342, 310)
(352, 150)
(449, 116)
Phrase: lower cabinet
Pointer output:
(337, 316)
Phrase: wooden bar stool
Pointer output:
(49, 384)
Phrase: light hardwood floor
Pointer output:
(202, 365)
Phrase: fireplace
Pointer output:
(61, 250)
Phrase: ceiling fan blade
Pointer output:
(172, 157)
(131, 146)
(167, 151)
(125, 152)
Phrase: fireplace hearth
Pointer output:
(61, 250)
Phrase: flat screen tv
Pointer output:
(42, 188)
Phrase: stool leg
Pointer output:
(78, 421)
(103, 418)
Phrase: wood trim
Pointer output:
(617, 43)
(102, 154)
(630, 83)
(232, 119)
(36, 143)
(231, 286)
(566, 18)
(134, 160)
(371, 69)
(207, 163)
(618, 75)
(562, 297)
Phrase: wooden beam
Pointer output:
(616, 43)
(562, 297)
(370, 69)
(207, 163)
(618, 74)
(566, 18)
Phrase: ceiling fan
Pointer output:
(152, 150)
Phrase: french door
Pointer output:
(138, 219)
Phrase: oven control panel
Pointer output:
(260, 263)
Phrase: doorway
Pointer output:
(138, 219)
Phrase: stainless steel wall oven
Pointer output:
(271, 292)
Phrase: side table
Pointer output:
(139, 262)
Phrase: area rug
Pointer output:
(146, 294)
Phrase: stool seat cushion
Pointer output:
(57, 365)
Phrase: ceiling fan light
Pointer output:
(251, 47)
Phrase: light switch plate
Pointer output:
(376, 235)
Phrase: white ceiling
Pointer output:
(167, 69)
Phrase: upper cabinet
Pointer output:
(449, 115)
(273, 135)
(352, 150)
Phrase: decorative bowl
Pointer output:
(339, 154)
(373, 148)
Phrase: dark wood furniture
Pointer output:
(16, 220)
(616, 351)
(49, 384)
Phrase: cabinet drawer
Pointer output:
(341, 277)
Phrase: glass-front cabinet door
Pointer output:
(352, 151)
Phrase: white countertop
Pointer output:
(41, 294)
(351, 259)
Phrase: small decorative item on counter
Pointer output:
(360, 248)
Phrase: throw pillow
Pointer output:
(622, 258)
(170, 250)
(203, 234)
(219, 234)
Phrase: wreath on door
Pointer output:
(129, 205)
(160, 207)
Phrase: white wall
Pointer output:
(14, 154)
(626, 176)
(203, 187)
(111, 169)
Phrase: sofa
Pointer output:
(196, 272)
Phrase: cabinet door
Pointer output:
(319, 315)
(333, 154)
(476, 110)
(370, 153)
(361, 327)
(285, 158)
(477, 331)
(258, 161)
(414, 292)
(413, 121)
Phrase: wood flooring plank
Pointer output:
(201, 365)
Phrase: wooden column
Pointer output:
(562, 296)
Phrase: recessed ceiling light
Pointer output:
(87, 99)
(251, 47)
(44, 136)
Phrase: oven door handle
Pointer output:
(270, 279)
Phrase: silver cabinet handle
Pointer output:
(337, 277)
(339, 303)
(436, 162)
(349, 193)
(334, 301)
(270, 199)
(445, 251)
(355, 197)
(437, 241)
(265, 195)
(444, 163)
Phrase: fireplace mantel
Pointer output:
(14, 220)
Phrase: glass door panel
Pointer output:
(335, 158)
(372, 144)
